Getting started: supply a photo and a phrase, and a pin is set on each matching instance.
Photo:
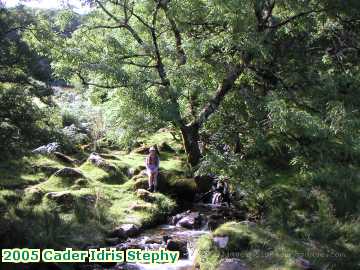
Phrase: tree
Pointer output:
(156, 53)
(179, 59)
(24, 75)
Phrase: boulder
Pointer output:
(65, 159)
(190, 221)
(47, 149)
(75, 134)
(174, 219)
(164, 147)
(100, 162)
(232, 264)
(177, 245)
(64, 198)
(69, 172)
(126, 230)
(145, 195)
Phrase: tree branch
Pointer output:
(179, 49)
(301, 14)
(221, 92)
(84, 82)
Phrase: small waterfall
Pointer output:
(216, 198)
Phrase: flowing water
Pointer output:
(153, 239)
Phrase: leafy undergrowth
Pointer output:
(81, 210)
(259, 248)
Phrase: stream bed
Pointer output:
(180, 234)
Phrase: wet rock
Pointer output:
(127, 266)
(125, 231)
(152, 241)
(190, 221)
(64, 158)
(64, 198)
(132, 244)
(69, 172)
(100, 162)
(177, 245)
(145, 195)
(164, 147)
(232, 264)
(174, 219)
(47, 149)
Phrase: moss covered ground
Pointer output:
(92, 205)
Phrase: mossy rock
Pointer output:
(178, 188)
(64, 198)
(181, 188)
(34, 195)
(141, 183)
(69, 173)
(99, 174)
(203, 183)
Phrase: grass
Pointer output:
(101, 200)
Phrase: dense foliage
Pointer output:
(269, 89)
(24, 78)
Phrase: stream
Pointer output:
(181, 233)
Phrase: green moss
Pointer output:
(258, 247)
(99, 174)
(102, 200)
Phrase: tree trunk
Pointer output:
(190, 137)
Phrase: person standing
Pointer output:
(152, 167)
